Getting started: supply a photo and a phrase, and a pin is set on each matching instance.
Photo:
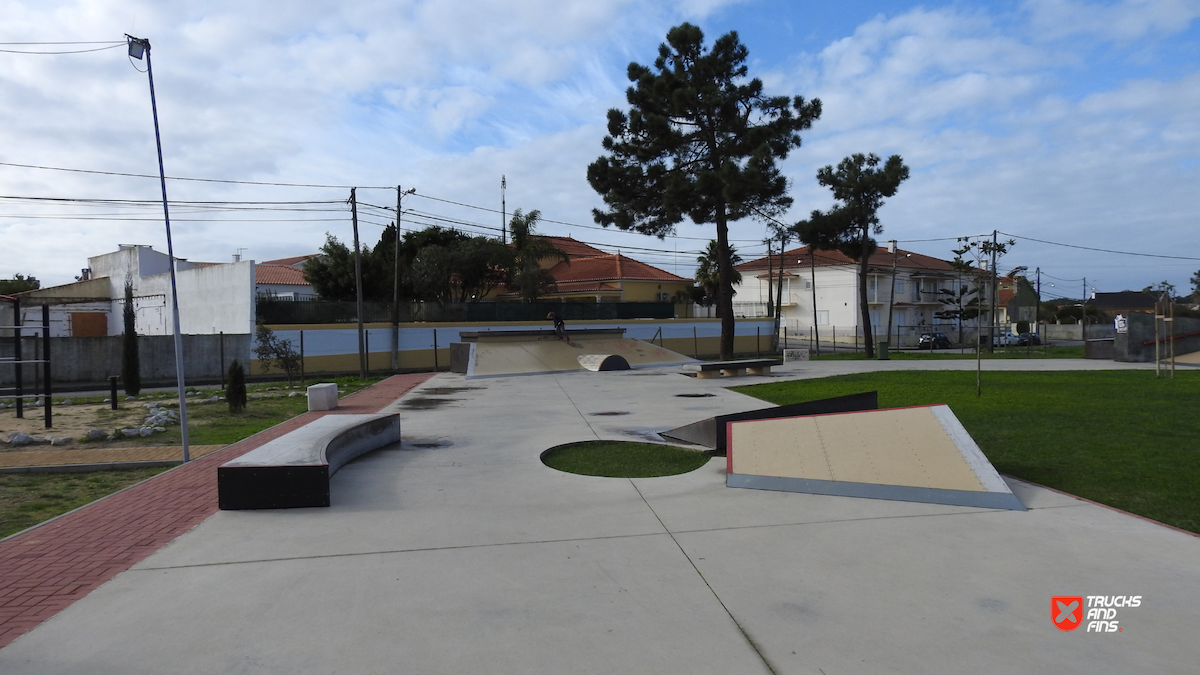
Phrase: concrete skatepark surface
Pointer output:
(458, 551)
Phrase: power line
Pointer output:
(74, 51)
(200, 180)
(1101, 250)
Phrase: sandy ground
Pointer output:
(74, 421)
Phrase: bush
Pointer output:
(273, 351)
(236, 393)
(1022, 327)
(130, 364)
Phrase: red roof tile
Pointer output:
(278, 275)
(296, 261)
(881, 258)
(614, 267)
(575, 249)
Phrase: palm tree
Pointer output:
(527, 276)
(707, 276)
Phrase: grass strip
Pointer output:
(27, 499)
(1121, 438)
(620, 459)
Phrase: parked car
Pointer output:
(933, 341)
(1005, 339)
(1025, 339)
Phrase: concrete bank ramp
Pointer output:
(501, 353)
(919, 454)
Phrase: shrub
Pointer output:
(130, 365)
(236, 393)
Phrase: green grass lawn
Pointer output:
(27, 499)
(622, 459)
(1121, 438)
(1040, 352)
(213, 424)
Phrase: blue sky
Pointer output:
(1068, 121)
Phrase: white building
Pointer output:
(213, 297)
(834, 305)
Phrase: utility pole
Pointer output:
(995, 293)
(503, 215)
(1083, 315)
(396, 288)
(812, 256)
(138, 46)
(770, 279)
(1037, 309)
(362, 351)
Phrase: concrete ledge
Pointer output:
(293, 471)
(323, 396)
(736, 368)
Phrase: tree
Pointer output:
(131, 376)
(962, 304)
(860, 187)
(1195, 281)
(700, 141)
(235, 395)
(19, 284)
(526, 274)
(708, 274)
(275, 352)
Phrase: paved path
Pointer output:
(459, 551)
(44, 569)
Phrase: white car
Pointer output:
(1005, 339)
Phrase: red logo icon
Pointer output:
(1067, 612)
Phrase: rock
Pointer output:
(145, 431)
(67, 401)
(63, 440)
(19, 438)
(111, 438)
(108, 400)
(214, 399)
(294, 394)
(129, 432)
(96, 434)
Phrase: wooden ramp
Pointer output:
(920, 454)
(503, 353)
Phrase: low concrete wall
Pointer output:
(92, 360)
(1131, 346)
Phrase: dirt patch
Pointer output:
(74, 421)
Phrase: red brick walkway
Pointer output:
(45, 569)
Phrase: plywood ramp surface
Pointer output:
(525, 357)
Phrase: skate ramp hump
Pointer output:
(908, 454)
(536, 355)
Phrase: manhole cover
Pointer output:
(694, 395)
(609, 414)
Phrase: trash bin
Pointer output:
(881, 350)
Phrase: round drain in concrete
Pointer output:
(611, 413)
(694, 395)
(623, 459)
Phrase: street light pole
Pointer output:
(138, 47)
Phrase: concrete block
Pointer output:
(790, 355)
(322, 396)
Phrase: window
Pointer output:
(822, 317)
(874, 317)
(808, 284)
(900, 286)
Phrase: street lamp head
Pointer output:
(137, 47)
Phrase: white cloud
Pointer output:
(1121, 21)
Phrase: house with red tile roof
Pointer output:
(820, 292)
(592, 275)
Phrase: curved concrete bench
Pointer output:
(293, 471)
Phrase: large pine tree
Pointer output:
(700, 141)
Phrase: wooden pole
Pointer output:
(362, 354)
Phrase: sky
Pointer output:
(1065, 125)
